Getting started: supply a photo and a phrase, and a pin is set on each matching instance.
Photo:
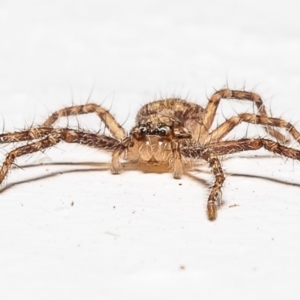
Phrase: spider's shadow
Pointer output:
(87, 167)
(128, 166)
(245, 175)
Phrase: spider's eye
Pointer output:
(164, 129)
(143, 129)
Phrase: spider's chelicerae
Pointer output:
(169, 133)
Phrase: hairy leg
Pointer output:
(235, 146)
(49, 141)
(25, 135)
(214, 199)
(222, 130)
(110, 122)
(49, 138)
(230, 147)
(211, 108)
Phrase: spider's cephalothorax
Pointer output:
(155, 137)
(168, 133)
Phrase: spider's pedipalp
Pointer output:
(176, 161)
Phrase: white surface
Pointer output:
(145, 236)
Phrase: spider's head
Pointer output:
(160, 126)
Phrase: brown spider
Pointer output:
(169, 133)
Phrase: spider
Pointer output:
(170, 134)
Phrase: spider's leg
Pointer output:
(53, 137)
(208, 154)
(230, 147)
(101, 142)
(49, 141)
(25, 135)
(211, 108)
(214, 199)
(110, 122)
(222, 130)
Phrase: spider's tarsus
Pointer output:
(178, 169)
(211, 211)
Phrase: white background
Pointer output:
(146, 236)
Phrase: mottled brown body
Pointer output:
(168, 134)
